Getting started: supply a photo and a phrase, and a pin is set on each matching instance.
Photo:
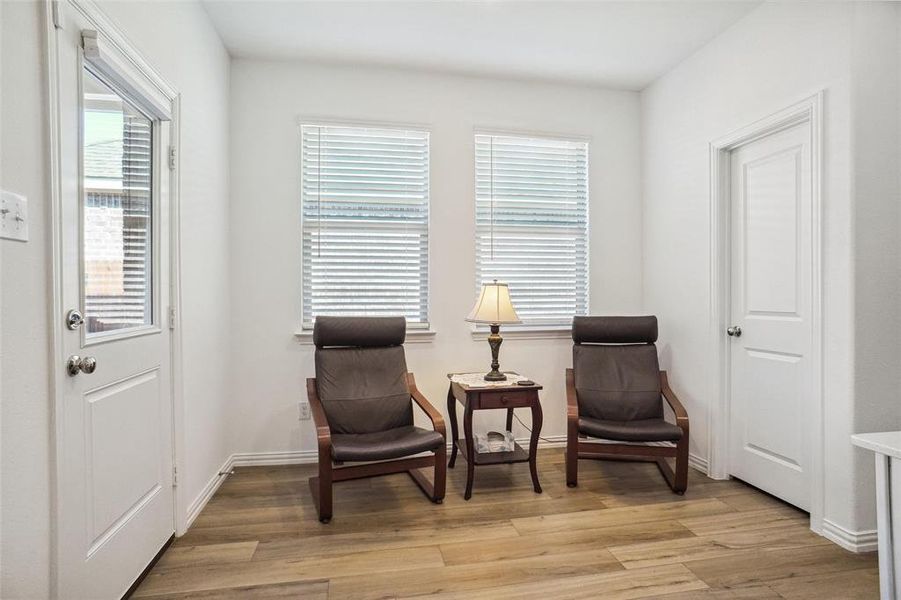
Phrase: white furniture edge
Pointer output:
(885, 442)
(886, 447)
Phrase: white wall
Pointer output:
(24, 286)
(241, 244)
(877, 235)
(193, 59)
(268, 98)
(778, 54)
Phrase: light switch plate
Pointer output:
(13, 216)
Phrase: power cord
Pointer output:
(529, 429)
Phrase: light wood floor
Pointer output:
(620, 534)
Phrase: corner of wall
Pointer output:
(876, 190)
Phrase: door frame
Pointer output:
(808, 110)
(132, 62)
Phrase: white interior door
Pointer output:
(771, 290)
(114, 444)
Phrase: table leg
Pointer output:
(452, 416)
(537, 419)
(509, 419)
(470, 449)
(887, 575)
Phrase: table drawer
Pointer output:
(505, 399)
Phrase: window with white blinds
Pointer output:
(365, 205)
(532, 224)
(117, 229)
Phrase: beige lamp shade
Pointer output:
(494, 305)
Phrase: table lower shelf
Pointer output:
(518, 455)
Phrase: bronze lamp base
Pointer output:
(495, 340)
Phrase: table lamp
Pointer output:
(493, 308)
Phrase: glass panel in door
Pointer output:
(117, 207)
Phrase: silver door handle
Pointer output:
(77, 364)
(74, 319)
(735, 331)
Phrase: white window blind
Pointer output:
(117, 158)
(365, 205)
(532, 224)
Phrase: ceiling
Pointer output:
(613, 44)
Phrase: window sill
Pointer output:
(538, 332)
(414, 336)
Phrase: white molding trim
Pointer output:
(855, 541)
(529, 134)
(120, 43)
(546, 441)
(198, 504)
(117, 68)
(176, 342)
(262, 459)
(808, 109)
(311, 457)
(57, 345)
(306, 457)
(698, 463)
(326, 121)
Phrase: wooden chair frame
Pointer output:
(576, 448)
(329, 473)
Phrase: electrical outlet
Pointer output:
(13, 216)
(304, 409)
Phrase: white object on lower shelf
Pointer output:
(495, 441)
(887, 447)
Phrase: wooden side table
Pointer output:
(482, 398)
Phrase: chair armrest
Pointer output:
(431, 412)
(323, 431)
(670, 396)
(572, 401)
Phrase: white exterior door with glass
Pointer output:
(115, 505)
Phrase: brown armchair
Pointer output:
(614, 391)
(361, 404)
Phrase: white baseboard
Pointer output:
(263, 459)
(855, 541)
(207, 492)
(308, 457)
(699, 463)
(694, 461)
(546, 441)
